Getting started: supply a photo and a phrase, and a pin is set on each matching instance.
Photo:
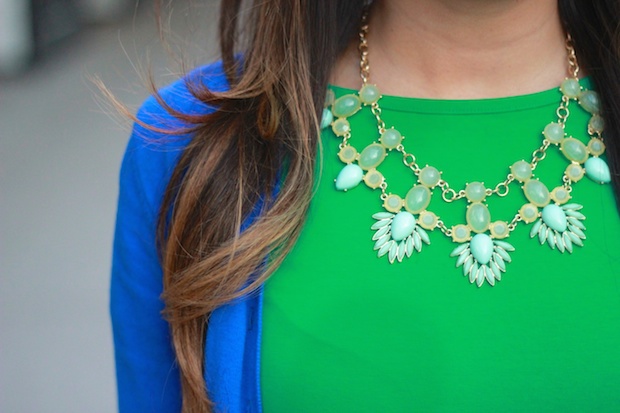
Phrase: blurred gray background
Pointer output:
(60, 150)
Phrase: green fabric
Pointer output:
(345, 331)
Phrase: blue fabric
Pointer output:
(147, 376)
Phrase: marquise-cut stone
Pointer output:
(536, 192)
(589, 100)
(554, 217)
(403, 225)
(574, 150)
(598, 170)
(372, 156)
(346, 106)
(417, 199)
(349, 177)
(481, 248)
(391, 138)
(478, 217)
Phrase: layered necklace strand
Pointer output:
(401, 228)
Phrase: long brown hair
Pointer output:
(265, 133)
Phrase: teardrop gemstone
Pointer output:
(598, 170)
(554, 217)
(574, 150)
(536, 192)
(372, 156)
(417, 199)
(349, 177)
(403, 225)
(481, 248)
(346, 106)
(326, 118)
(478, 217)
(589, 100)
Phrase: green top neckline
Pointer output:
(468, 106)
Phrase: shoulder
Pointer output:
(157, 139)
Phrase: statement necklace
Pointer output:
(482, 252)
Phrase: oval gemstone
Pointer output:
(529, 213)
(596, 123)
(429, 176)
(570, 88)
(341, 127)
(349, 177)
(347, 154)
(554, 132)
(481, 248)
(475, 191)
(327, 118)
(391, 138)
(403, 225)
(596, 147)
(369, 94)
(536, 192)
(589, 100)
(372, 156)
(521, 170)
(417, 199)
(346, 106)
(554, 217)
(478, 217)
(598, 170)
(574, 150)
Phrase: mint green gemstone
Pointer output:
(475, 191)
(574, 150)
(478, 217)
(554, 217)
(521, 170)
(417, 199)
(346, 106)
(391, 138)
(481, 248)
(369, 94)
(589, 100)
(349, 177)
(536, 192)
(598, 170)
(372, 156)
(403, 225)
(330, 96)
(341, 127)
(429, 176)
(570, 88)
(554, 132)
(326, 118)
(596, 123)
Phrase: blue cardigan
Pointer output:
(147, 375)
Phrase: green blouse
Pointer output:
(346, 331)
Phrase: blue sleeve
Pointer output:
(147, 376)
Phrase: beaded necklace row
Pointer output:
(401, 228)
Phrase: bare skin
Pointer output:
(460, 49)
